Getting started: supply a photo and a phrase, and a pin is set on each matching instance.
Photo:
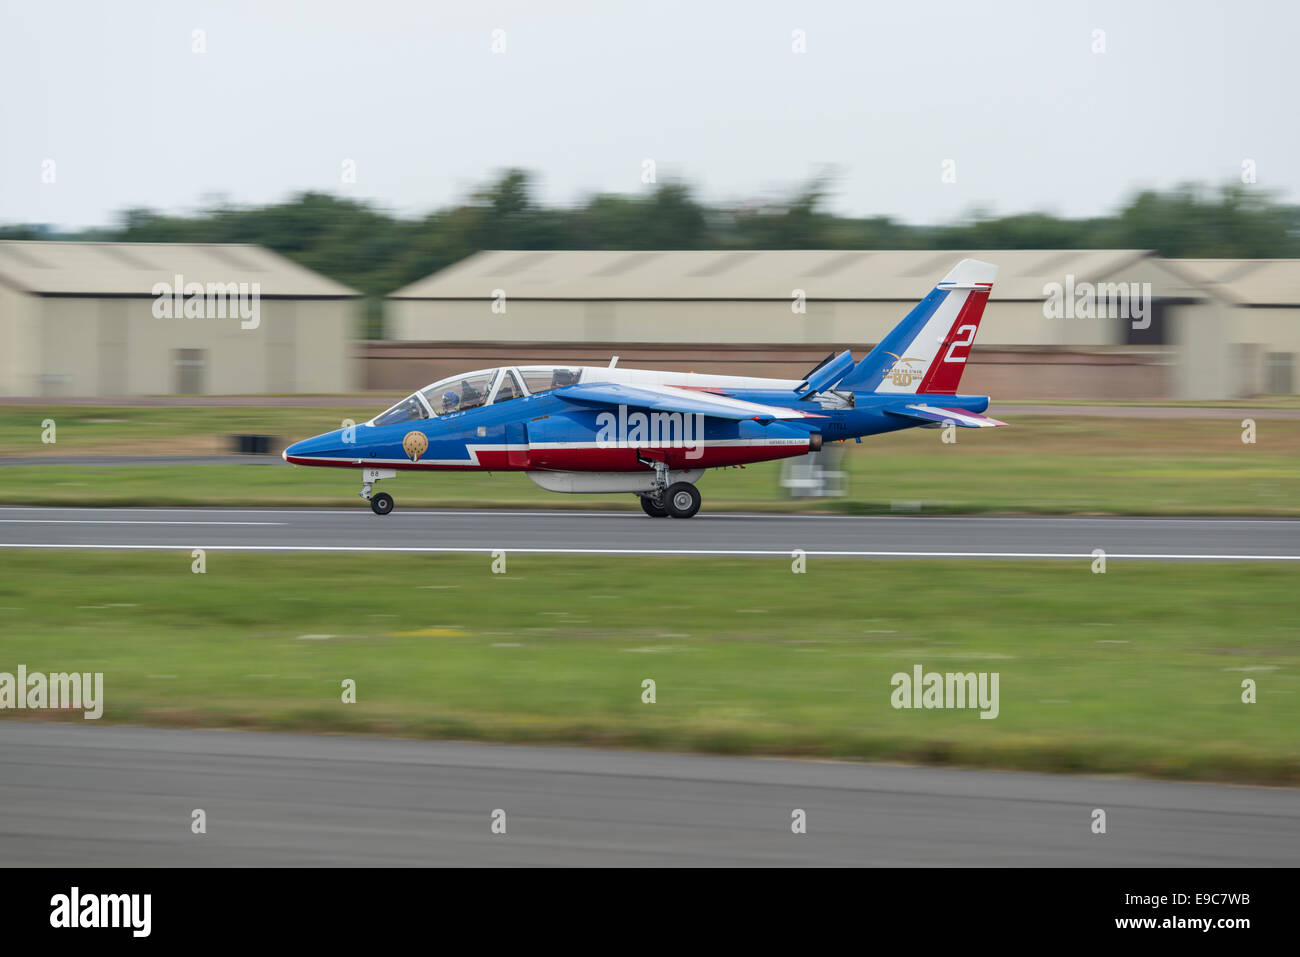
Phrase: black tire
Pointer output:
(652, 508)
(682, 500)
(381, 504)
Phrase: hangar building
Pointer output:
(1259, 308)
(121, 319)
(778, 312)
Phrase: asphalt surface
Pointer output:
(114, 796)
(358, 529)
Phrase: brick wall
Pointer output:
(1030, 373)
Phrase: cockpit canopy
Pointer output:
(470, 390)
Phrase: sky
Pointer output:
(924, 111)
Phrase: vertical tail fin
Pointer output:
(927, 351)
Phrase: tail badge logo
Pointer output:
(904, 370)
(415, 444)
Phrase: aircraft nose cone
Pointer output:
(328, 445)
(298, 449)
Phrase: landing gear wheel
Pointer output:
(381, 504)
(654, 508)
(682, 500)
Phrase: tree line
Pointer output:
(375, 252)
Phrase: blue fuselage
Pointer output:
(547, 432)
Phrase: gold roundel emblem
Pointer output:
(415, 444)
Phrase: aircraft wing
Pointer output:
(667, 398)
(960, 417)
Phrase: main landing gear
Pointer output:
(382, 503)
(654, 507)
(682, 500)
(679, 500)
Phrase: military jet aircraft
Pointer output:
(654, 434)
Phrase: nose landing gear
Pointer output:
(382, 503)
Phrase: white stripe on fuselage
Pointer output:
(473, 450)
(708, 443)
(685, 380)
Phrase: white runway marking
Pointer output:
(784, 553)
(562, 513)
(117, 521)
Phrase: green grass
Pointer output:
(1041, 464)
(163, 430)
(1135, 671)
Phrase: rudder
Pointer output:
(927, 351)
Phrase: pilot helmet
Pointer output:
(450, 399)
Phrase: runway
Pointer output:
(114, 796)
(356, 529)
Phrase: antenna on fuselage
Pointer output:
(613, 361)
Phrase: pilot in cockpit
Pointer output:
(470, 398)
(450, 401)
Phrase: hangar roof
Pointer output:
(132, 269)
(1249, 282)
(756, 274)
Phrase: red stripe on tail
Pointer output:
(945, 371)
